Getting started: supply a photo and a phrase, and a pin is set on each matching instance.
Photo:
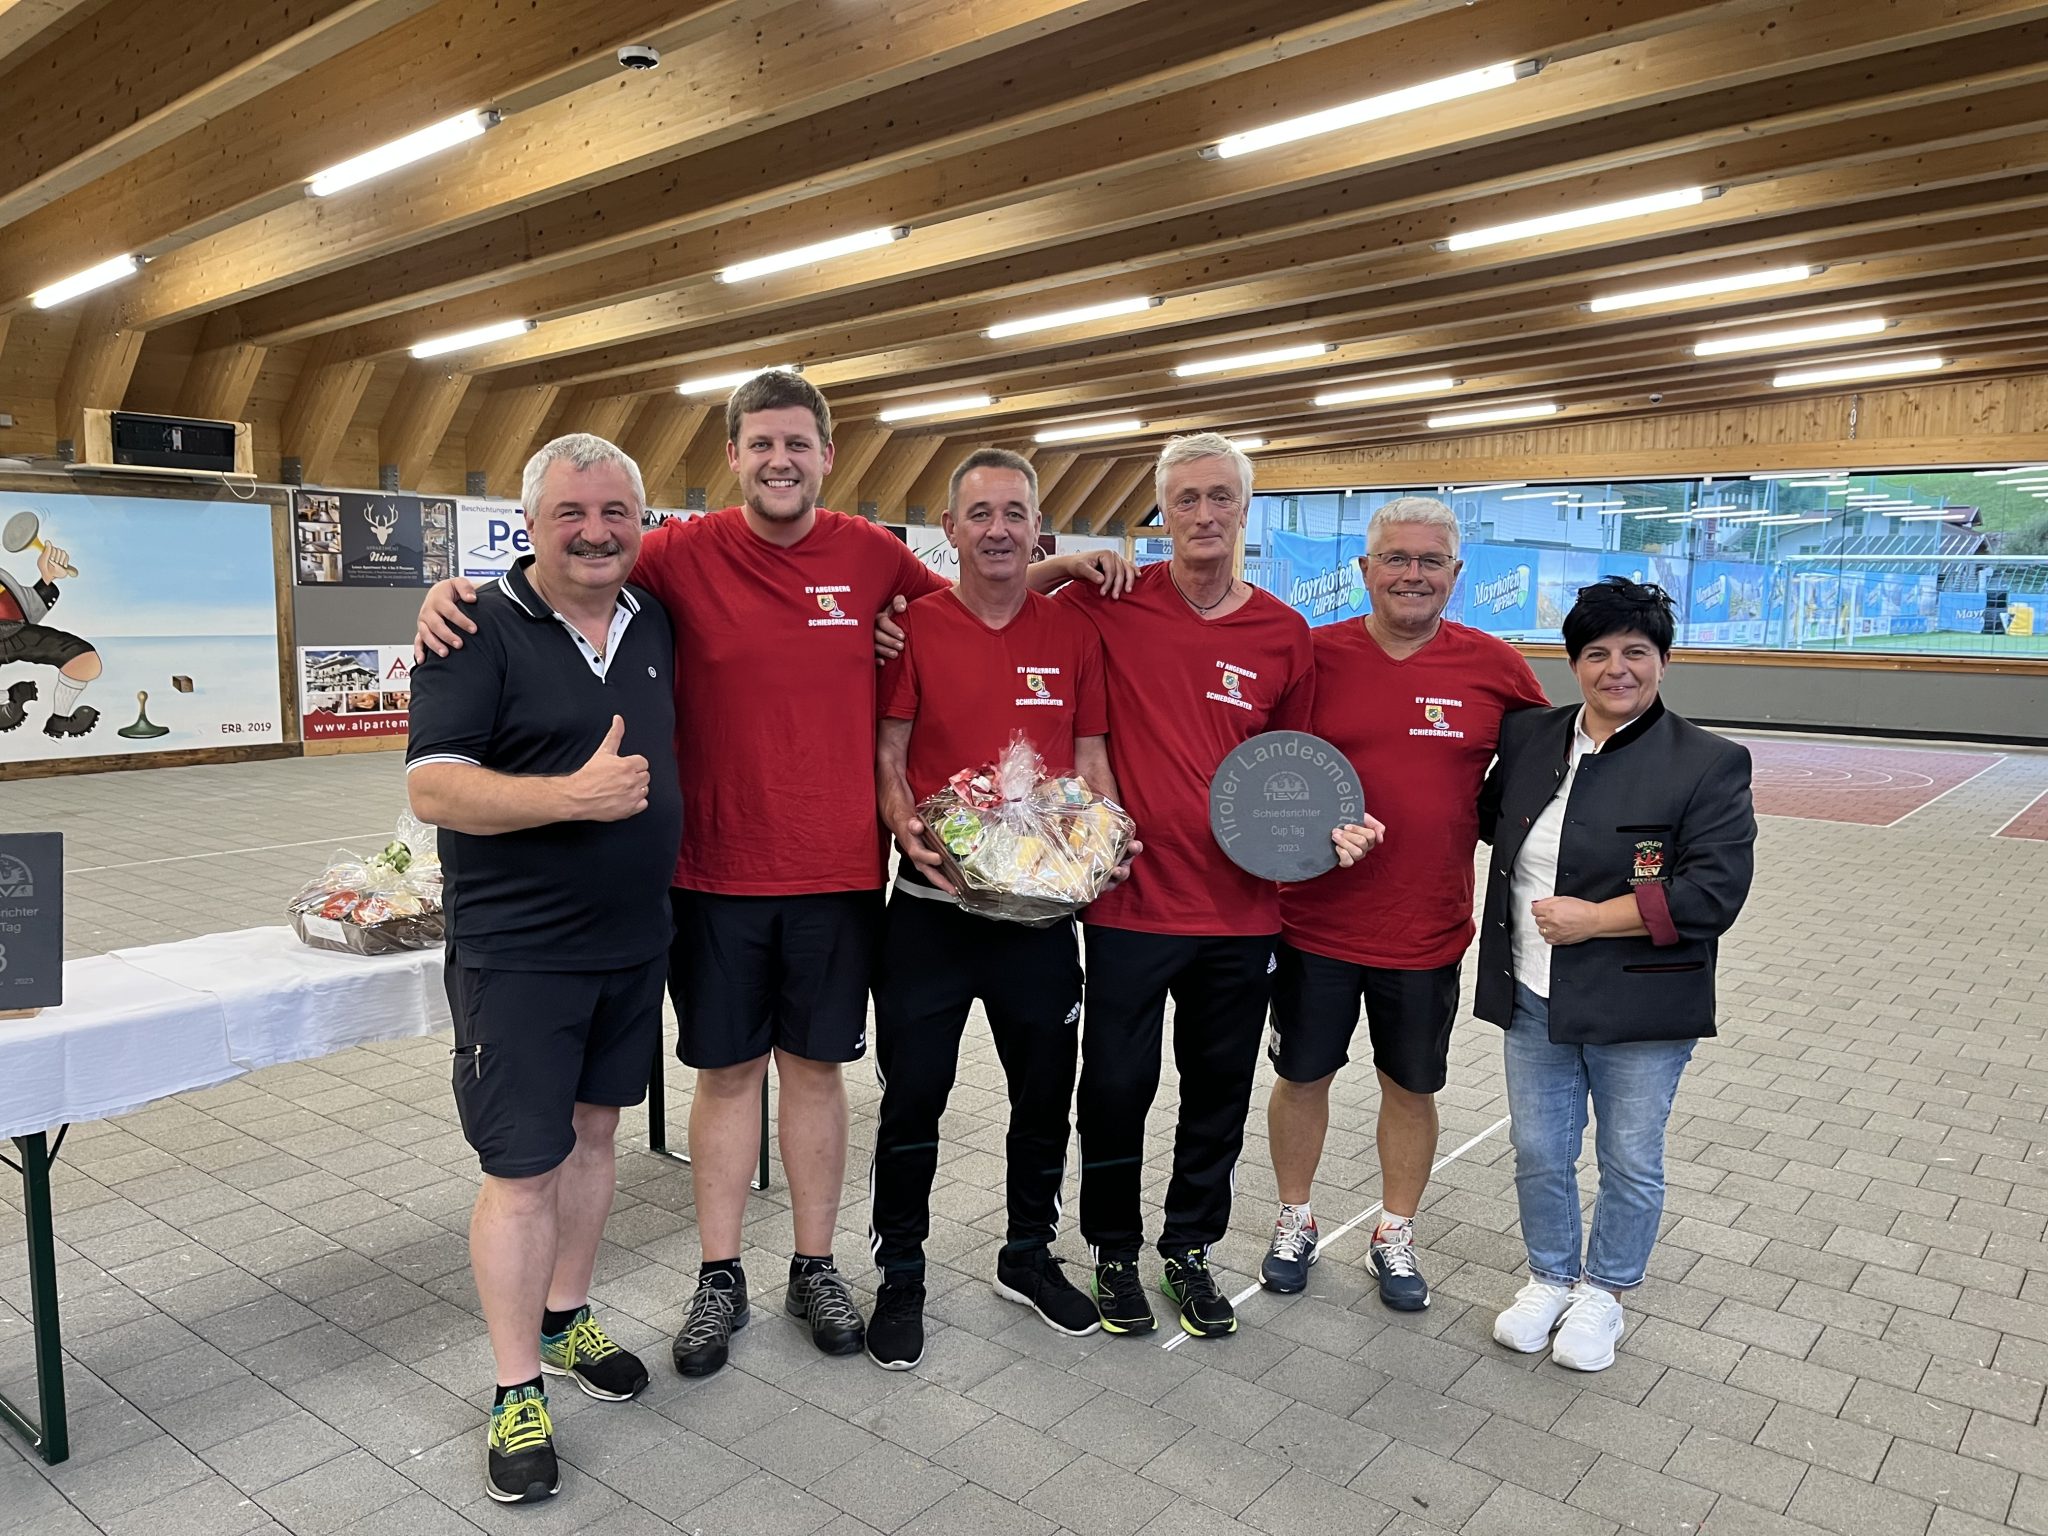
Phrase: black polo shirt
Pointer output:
(527, 694)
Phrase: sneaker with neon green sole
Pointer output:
(1205, 1313)
(584, 1352)
(521, 1467)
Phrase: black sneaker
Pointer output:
(585, 1352)
(717, 1312)
(521, 1465)
(896, 1328)
(1401, 1284)
(1033, 1279)
(1291, 1252)
(13, 708)
(1204, 1312)
(822, 1300)
(1120, 1298)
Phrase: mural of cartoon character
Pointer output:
(26, 641)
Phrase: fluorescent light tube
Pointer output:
(722, 383)
(1371, 109)
(1247, 444)
(504, 330)
(1496, 485)
(1705, 288)
(1796, 336)
(1580, 218)
(1495, 413)
(1090, 429)
(111, 270)
(952, 407)
(1539, 496)
(1079, 316)
(806, 255)
(1252, 359)
(1843, 373)
(1598, 506)
(1803, 474)
(401, 152)
(1387, 391)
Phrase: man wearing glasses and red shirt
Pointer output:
(1415, 703)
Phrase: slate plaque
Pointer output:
(1275, 801)
(31, 920)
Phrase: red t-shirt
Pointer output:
(970, 688)
(775, 697)
(1183, 691)
(1421, 732)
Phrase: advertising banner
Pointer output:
(371, 538)
(928, 542)
(132, 624)
(1318, 578)
(354, 690)
(1500, 589)
(1963, 612)
(489, 536)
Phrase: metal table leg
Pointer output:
(52, 1436)
(657, 1119)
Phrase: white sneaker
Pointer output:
(1592, 1327)
(1527, 1325)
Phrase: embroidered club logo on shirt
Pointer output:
(1439, 722)
(828, 605)
(1232, 680)
(1038, 684)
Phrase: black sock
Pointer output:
(801, 1264)
(725, 1273)
(517, 1386)
(553, 1323)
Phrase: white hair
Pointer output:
(581, 450)
(1415, 509)
(1199, 445)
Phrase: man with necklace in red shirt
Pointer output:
(1415, 703)
(1198, 662)
(985, 661)
(777, 894)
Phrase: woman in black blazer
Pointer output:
(1622, 850)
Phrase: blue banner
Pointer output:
(1319, 578)
(1963, 612)
(1500, 589)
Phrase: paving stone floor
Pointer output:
(270, 1324)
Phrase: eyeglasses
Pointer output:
(1436, 565)
(1221, 500)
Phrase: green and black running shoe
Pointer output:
(1204, 1311)
(1120, 1298)
(585, 1352)
(522, 1466)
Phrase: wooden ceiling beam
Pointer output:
(704, 459)
(820, 54)
(221, 375)
(1051, 466)
(458, 55)
(658, 436)
(27, 23)
(931, 490)
(322, 404)
(1075, 487)
(596, 409)
(1110, 492)
(88, 119)
(501, 434)
(1131, 513)
(895, 468)
(883, 150)
(422, 409)
(96, 370)
(853, 450)
(1261, 201)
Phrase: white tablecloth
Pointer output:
(141, 1024)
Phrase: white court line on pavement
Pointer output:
(221, 853)
(1253, 1289)
(2016, 815)
(1973, 778)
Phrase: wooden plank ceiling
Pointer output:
(1043, 155)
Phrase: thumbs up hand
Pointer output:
(608, 787)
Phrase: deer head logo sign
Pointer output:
(382, 520)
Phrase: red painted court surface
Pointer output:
(1869, 786)
(2030, 823)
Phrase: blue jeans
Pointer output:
(1631, 1087)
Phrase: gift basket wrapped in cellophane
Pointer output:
(1023, 845)
(377, 905)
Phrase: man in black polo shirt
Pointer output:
(544, 751)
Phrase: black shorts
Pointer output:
(36, 646)
(532, 1045)
(1408, 1013)
(753, 973)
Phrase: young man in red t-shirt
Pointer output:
(1199, 661)
(984, 661)
(1415, 703)
(777, 895)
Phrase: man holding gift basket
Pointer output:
(992, 772)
